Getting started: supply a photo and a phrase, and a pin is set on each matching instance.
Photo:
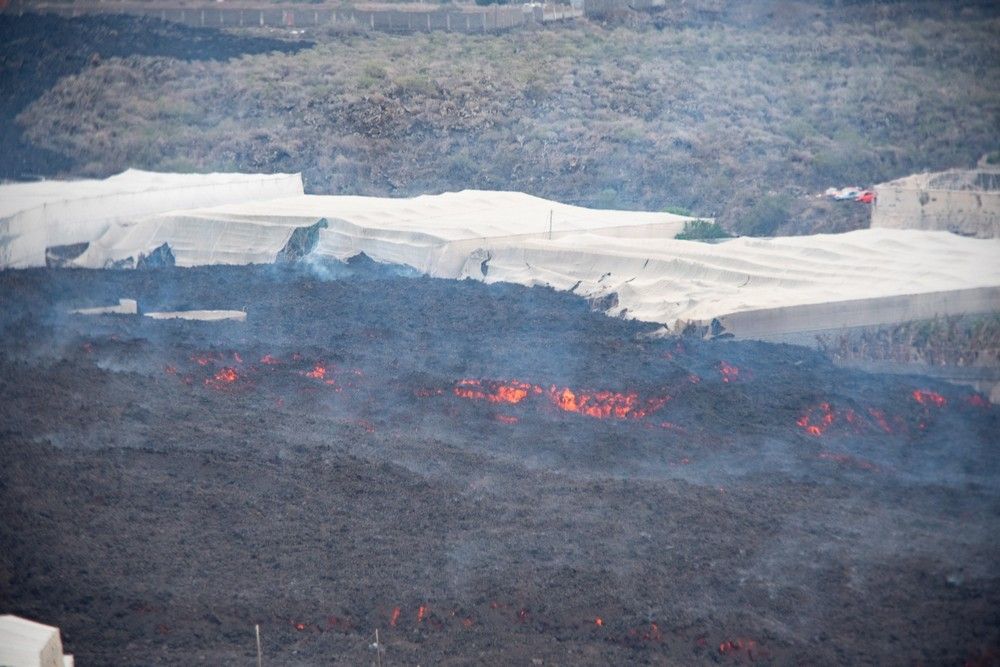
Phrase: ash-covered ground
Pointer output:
(485, 474)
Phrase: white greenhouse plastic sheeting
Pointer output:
(629, 259)
(194, 239)
(25, 643)
(201, 315)
(36, 216)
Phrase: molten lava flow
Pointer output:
(224, 377)
(817, 426)
(317, 373)
(927, 398)
(512, 392)
(746, 647)
(599, 622)
(605, 404)
(268, 360)
(598, 404)
(729, 372)
(817, 420)
(394, 616)
(300, 626)
(880, 419)
(421, 613)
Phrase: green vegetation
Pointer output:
(702, 230)
(740, 116)
(767, 215)
(970, 340)
(677, 210)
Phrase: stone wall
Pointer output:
(964, 202)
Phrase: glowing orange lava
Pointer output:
(268, 360)
(814, 424)
(421, 613)
(597, 404)
(729, 372)
(880, 419)
(317, 373)
(223, 377)
(394, 617)
(605, 404)
(512, 392)
(599, 622)
(926, 397)
(818, 419)
(746, 647)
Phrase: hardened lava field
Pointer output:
(485, 474)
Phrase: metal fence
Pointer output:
(472, 20)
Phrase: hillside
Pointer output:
(736, 113)
(36, 51)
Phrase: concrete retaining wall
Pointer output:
(962, 211)
(779, 323)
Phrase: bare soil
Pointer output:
(353, 458)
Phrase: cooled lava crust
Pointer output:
(484, 474)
